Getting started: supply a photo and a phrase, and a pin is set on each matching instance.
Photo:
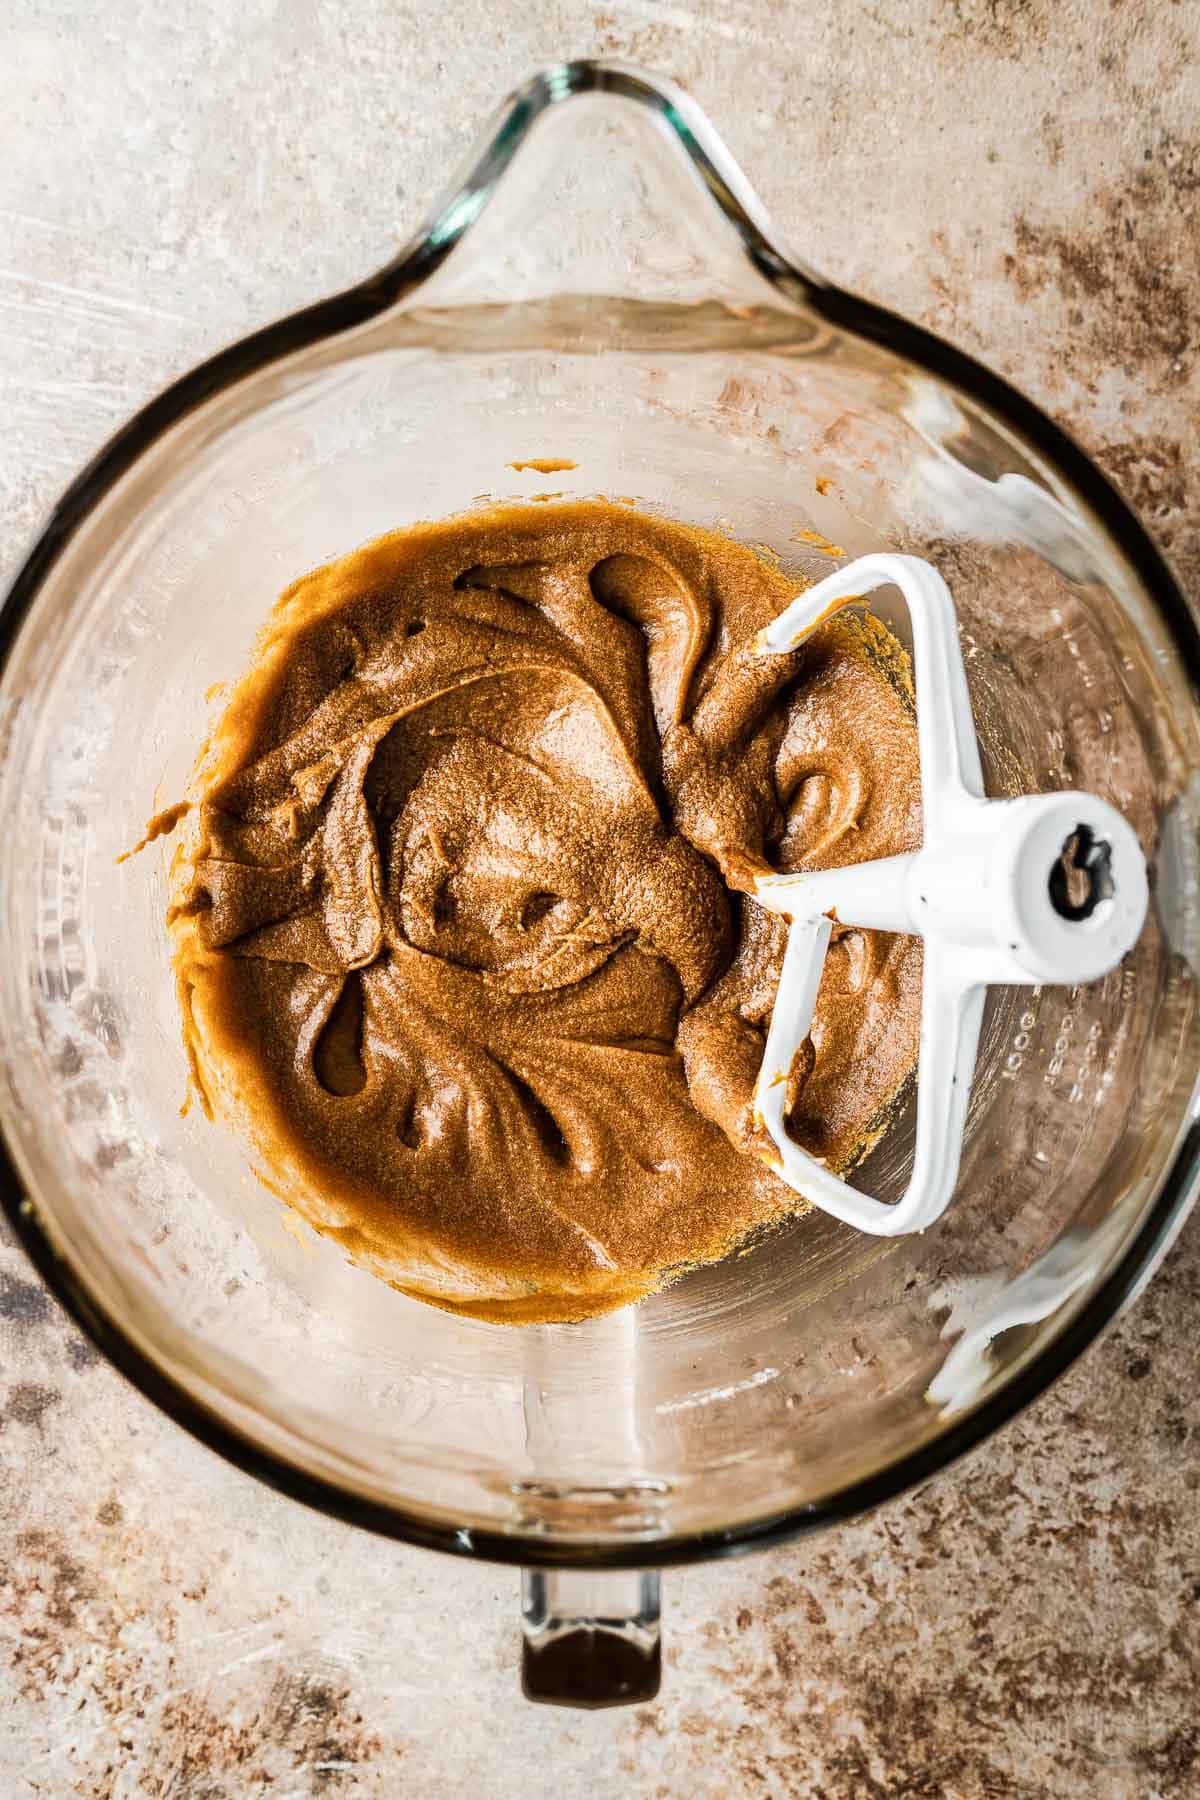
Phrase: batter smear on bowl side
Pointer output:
(459, 918)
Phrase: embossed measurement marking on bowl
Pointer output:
(1047, 888)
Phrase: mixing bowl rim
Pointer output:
(836, 307)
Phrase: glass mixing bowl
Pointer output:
(600, 288)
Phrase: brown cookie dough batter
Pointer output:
(456, 920)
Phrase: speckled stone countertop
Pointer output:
(1022, 175)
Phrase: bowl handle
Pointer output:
(590, 1637)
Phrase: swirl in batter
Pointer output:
(460, 925)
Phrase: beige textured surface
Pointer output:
(1023, 175)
